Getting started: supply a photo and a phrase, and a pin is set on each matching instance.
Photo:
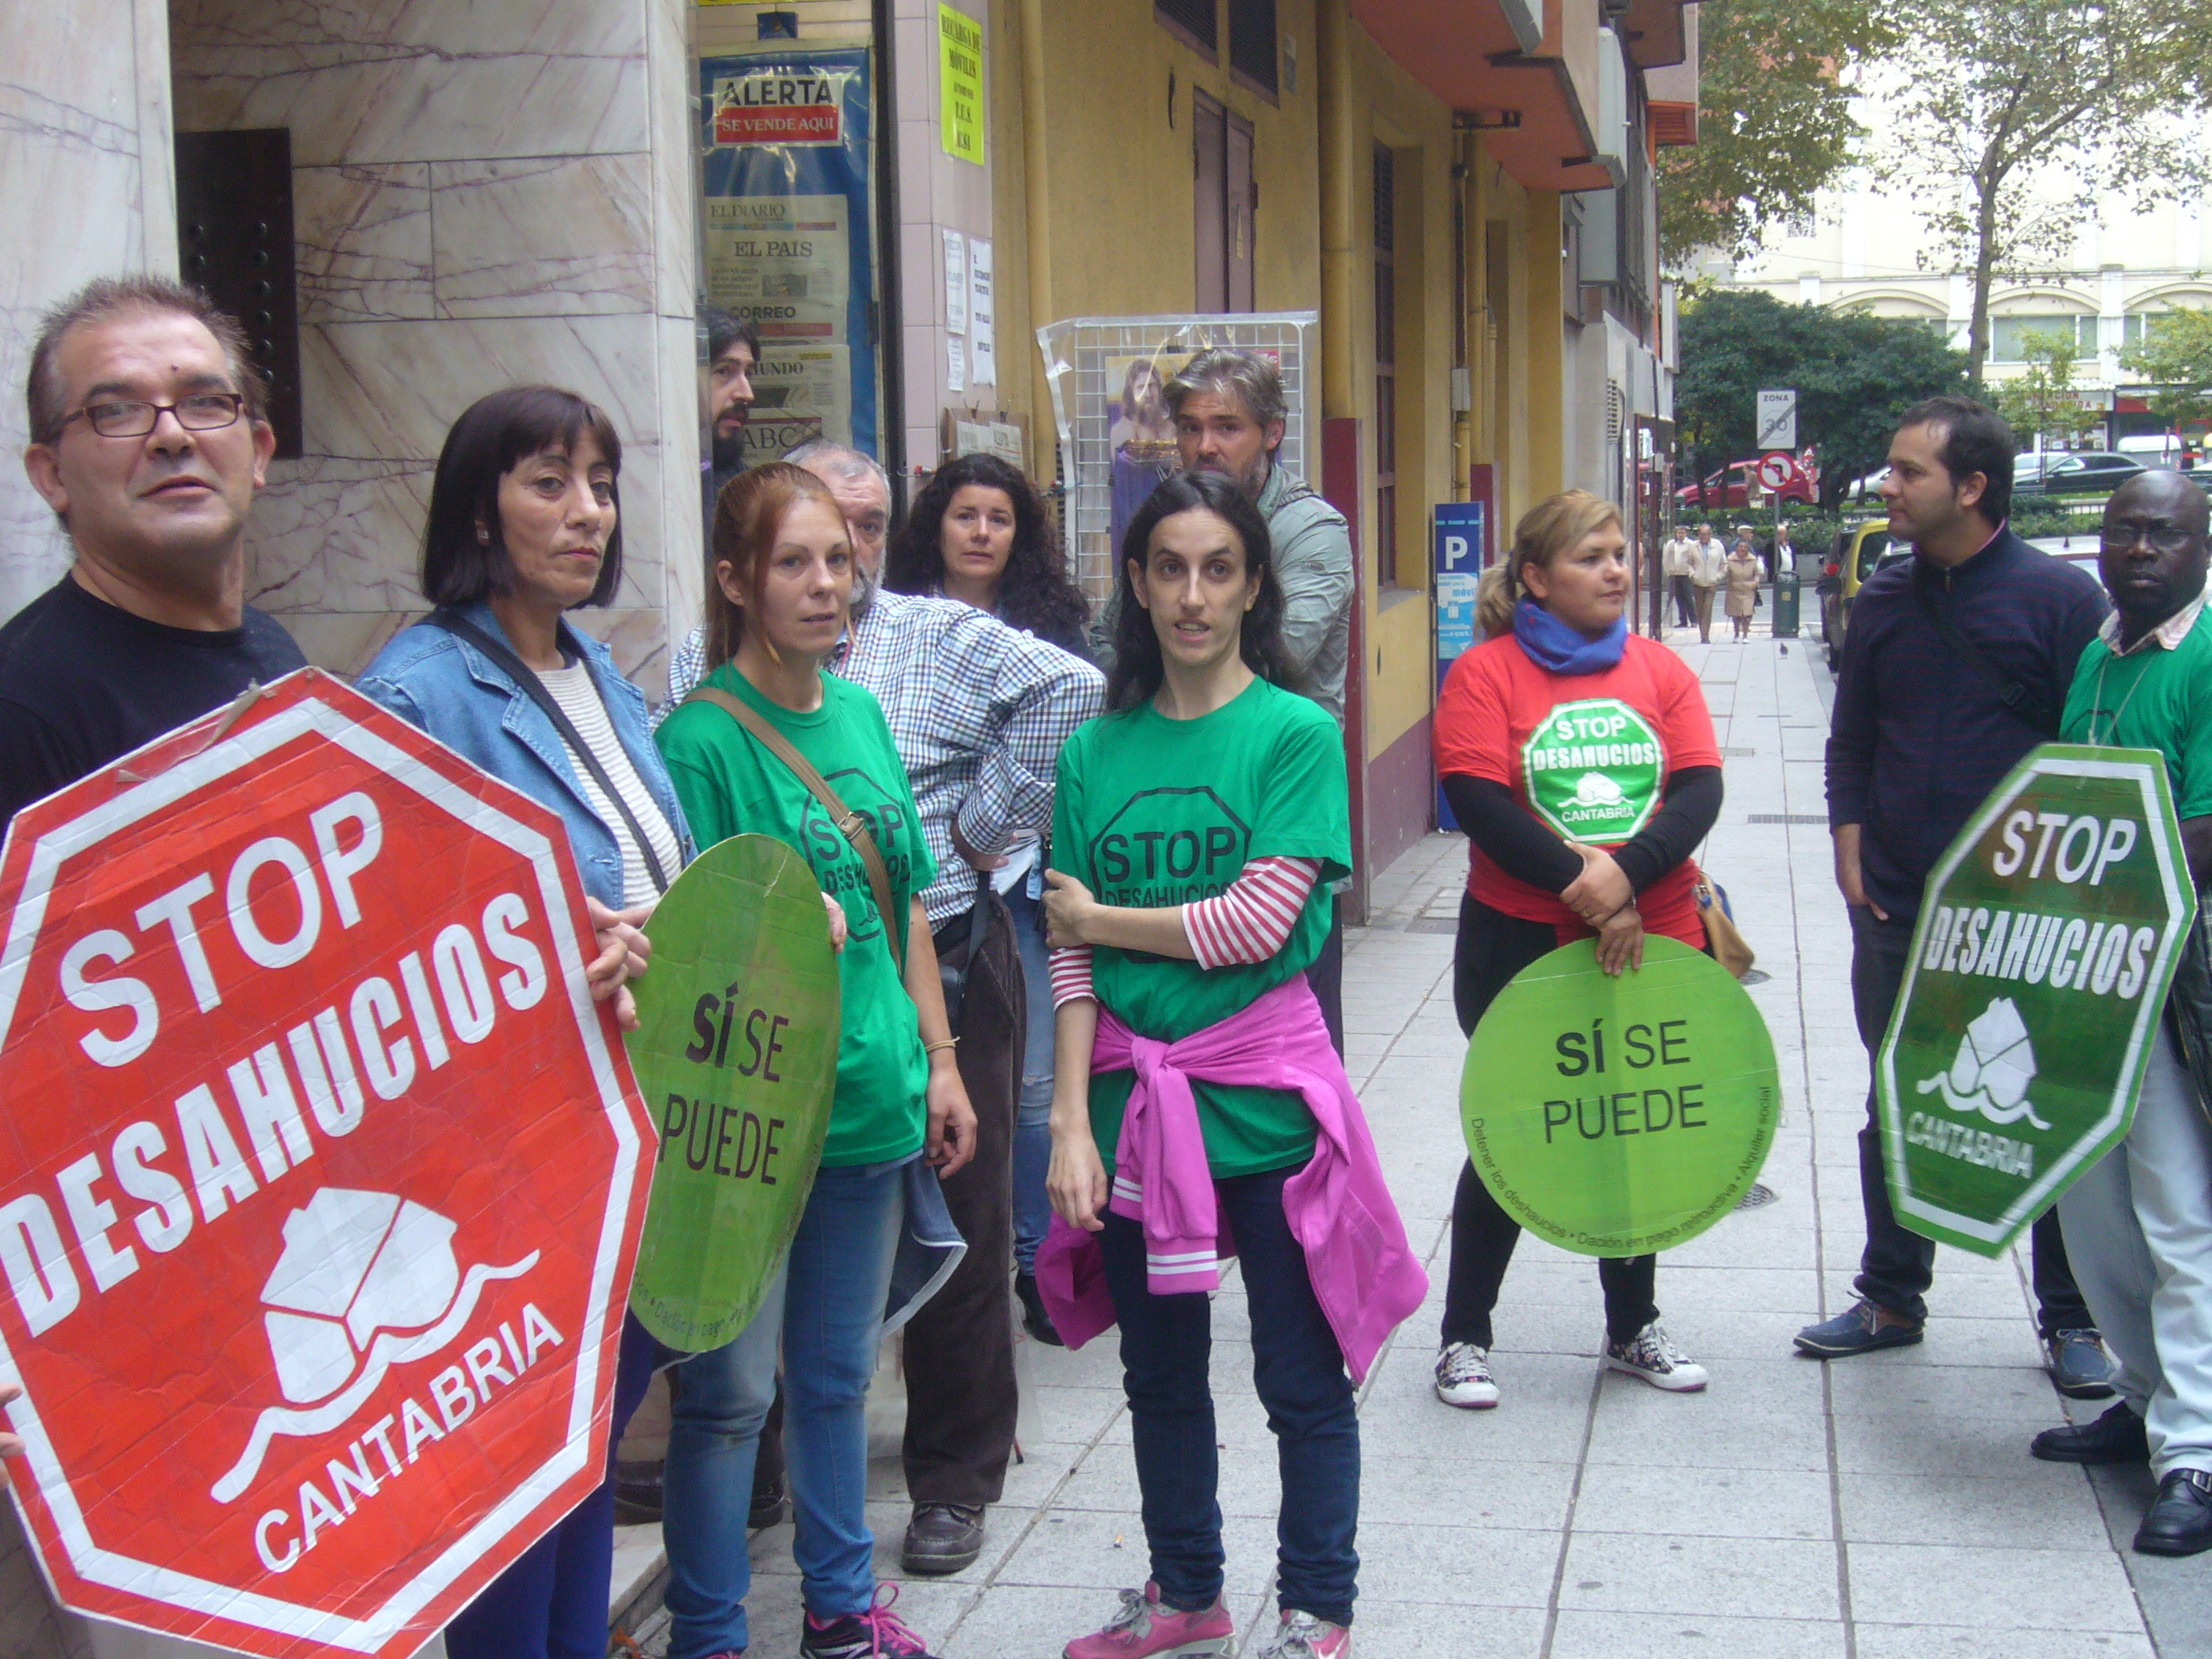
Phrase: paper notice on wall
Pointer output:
(956, 282)
(982, 348)
(955, 363)
(800, 392)
(781, 263)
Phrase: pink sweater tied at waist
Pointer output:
(1364, 1274)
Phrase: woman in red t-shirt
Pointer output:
(1579, 758)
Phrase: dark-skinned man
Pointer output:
(2139, 1223)
(1956, 664)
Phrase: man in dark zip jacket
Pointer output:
(1956, 664)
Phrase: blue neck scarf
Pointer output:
(1552, 644)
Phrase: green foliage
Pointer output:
(1854, 374)
(1774, 120)
(2044, 398)
(2009, 125)
(2175, 356)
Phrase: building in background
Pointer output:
(413, 203)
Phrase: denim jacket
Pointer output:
(444, 685)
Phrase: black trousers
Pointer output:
(1899, 1265)
(1680, 587)
(1326, 975)
(960, 1394)
(1493, 947)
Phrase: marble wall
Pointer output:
(482, 195)
(91, 191)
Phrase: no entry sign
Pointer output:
(2040, 963)
(320, 1178)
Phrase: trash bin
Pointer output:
(1785, 605)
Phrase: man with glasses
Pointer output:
(148, 439)
(2139, 1223)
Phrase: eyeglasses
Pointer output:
(201, 411)
(2121, 540)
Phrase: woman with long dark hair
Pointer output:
(1197, 826)
(979, 532)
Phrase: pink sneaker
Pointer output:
(1302, 1636)
(1145, 1630)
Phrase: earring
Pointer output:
(483, 536)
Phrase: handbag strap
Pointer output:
(850, 824)
(533, 687)
(2025, 705)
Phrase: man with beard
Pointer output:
(1229, 416)
(733, 355)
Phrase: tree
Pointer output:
(1774, 119)
(2175, 356)
(2010, 125)
(1854, 375)
(2043, 398)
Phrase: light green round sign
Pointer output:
(1593, 769)
(736, 1054)
(1619, 1117)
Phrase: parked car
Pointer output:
(1737, 484)
(1856, 552)
(2085, 472)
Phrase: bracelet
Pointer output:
(941, 1042)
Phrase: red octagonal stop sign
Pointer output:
(320, 1179)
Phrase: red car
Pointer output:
(1733, 486)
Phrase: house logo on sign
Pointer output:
(366, 1281)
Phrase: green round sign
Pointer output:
(1619, 1117)
(736, 1054)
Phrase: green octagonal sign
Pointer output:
(2046, 941)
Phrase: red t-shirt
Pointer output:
(1587, 754)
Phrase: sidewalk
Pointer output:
(1884, 1508)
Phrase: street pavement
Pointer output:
(1881, 1508)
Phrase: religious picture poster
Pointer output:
(1139, 430)
(785, 176)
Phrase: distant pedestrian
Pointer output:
(1216, 1095)
(1708, 570)
(1744, 572)
(2138, 1222)
(1555, 611)
(1680, 551)
(1956, 664)
(1783, 557)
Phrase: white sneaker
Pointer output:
(1650, 1355)
(1463, 1377)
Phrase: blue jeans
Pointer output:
(1297, 1369)
(1033, 1120)
(552, 1602)
(824, 1311)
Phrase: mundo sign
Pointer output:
(321, 1179)
(2040, 962)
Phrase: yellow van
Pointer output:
(1851, 559)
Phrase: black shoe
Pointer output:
(771, 1505)
(2180, 1521)
(942, 1538)
(637, 1492)
(2115, 1437)
(1034, 1320)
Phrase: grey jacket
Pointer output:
(1313, 562)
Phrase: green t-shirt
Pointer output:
(730, 785)
(1151, 812)
(2152, 698)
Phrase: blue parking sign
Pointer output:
(1459, 553)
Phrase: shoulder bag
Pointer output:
(533, 687)
(2026, 706)
(1731, 949)
(850, 824)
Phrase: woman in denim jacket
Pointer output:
(523, 528)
